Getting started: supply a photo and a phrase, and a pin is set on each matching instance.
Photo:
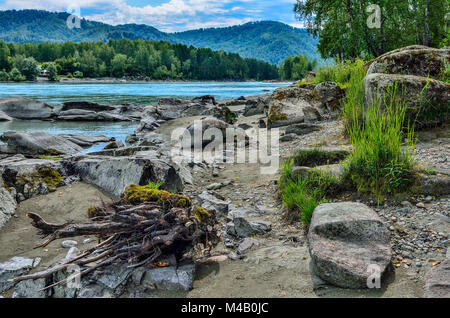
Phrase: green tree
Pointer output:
(344, 33)
(16, 76)
(52, 72)
(5, 62)
(118, 65)
(28, 67)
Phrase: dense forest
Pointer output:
(353, 28)
(122, 58)
(269, 41)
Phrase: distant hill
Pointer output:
(266, 40)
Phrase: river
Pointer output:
(138, 93)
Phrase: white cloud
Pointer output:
(172, 15)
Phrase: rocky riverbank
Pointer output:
(404, 238)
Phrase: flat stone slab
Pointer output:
(347, 243)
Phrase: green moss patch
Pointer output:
(139, 194)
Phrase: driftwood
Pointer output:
(134, 234)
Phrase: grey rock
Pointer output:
(114, 175)
(31, 289)
(38, 143)
(170, 278)
(438, 184)
(329, 96)
(23, 108)
(411, 60)
(255, 107)
(114, 145)
(235, 211)
(85, 141)
(344, 240)
(233, 256)
(8, 206)
(378, 86)
(437, 284)
(240, 227)
(209, 202)
(16, 266)
(5, 117)
(288, 137)
(172, 108)
(302, 129)
(203, 132)
(246, 245)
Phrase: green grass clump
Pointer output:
(155, 185)
(382, 159)
(353, 103)
(341, 73)
(301, 195)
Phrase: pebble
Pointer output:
(420, 205)
(69, 244)
(88, 240)
(233, 256)
(418, 264)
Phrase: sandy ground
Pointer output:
(279, 266)
(18, 236)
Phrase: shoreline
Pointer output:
(109, 80)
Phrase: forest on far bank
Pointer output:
(126, 58)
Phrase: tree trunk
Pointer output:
(426, 30)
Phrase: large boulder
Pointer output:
(24, 108)
(412, 60)
(91, 111)
(429, 107)
(329, 96)
(7, 206)
(172, 108)
(204, 132)
(83, 105)
(415, 71)
(115, 174)
(38, 143)
(78, 115)
(347, 242)
(437, 283)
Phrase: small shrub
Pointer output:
(303, 194)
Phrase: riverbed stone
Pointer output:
(24, 108)
(345, 241)
(37, 143)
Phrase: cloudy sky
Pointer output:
(168, 15)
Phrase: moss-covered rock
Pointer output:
(136, 194)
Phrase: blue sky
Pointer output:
(168, 15)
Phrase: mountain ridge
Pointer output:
(270, 41)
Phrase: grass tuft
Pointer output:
(382, 159)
